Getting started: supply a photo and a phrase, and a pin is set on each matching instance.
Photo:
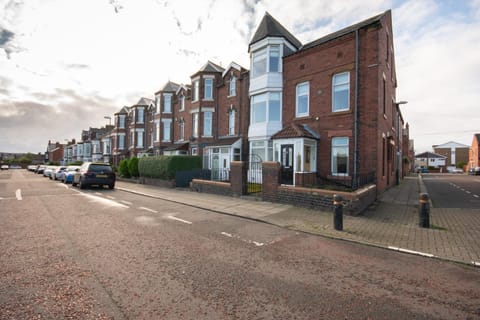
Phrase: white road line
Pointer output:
(258, 244)
(178, 219)
(476, 196)
(126, 202)
(62, 185)
(18, 194)
(148, 209)
(411, 251)
(106, 202)
(468, 192)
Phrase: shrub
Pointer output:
(165, 167)
(123, 168)
(133, 167)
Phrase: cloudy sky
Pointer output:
(65, 64)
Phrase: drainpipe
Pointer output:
(355, 125)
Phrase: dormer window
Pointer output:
(231, 90)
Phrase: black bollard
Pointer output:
(424, 211)
(338, 212)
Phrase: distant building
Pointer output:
(430, 159)
(474, 155)
(454, 152)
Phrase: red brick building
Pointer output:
(474, 155)
(326, 110)
(339, 119)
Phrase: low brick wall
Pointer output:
(214, 187)
(157, 182)
(354, 202)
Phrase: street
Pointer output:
(110, 254)
(453, 190)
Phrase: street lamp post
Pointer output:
(109, 120)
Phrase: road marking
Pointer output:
(148, 209)
(468, 192)
(18, 194)
(258, 244)
(178, 219)
(411, 251)
(62, 185)
(126, 202)
(476, 196)
(104, 201)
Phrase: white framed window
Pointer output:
(194, 151)
(196, 90)
(157, 130)
(157, 103)
(167, 103)
(140, 115)
(208, 94)
(195, 124)
(259, 63)
(232, 86)
(302, 100)
(262, 149)
(274, 59)
(182, 102)
(341, 92)
(231, 122)
(166, 129)
(182, 130)
(140, 138)
(207, 124)
(266, 106)
(121, 121)
(340, 156)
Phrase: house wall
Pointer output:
(377, 129)
(474, 156)
(461, 155)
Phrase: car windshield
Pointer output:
(100, 168)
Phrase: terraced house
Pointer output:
(325, 110)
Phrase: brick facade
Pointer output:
(474, 156)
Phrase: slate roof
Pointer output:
(296, 131)
(269, 27)
(170, 87)
(344, 31)
(211, 67)
(124, 110)
(430, 155)
(183, 146)
(144, 102)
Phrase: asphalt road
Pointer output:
(102, 254)
(453, 190)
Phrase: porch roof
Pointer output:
(183, 146)
(296, 131)
(223, 142)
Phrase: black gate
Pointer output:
(254, 174)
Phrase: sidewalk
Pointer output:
(392, 222)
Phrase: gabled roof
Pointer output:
(144, 102)
(232, 65)
(477, 136)
(269, 27)
(430, 155)
(345, 31)
(450, 144)
(124, 110)
(211, 67)
(169, 87)
(296, 131)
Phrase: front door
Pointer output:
(286, 152)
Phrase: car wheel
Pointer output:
(81, 184)
(74, 184)
(111, 186)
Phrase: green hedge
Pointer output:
(133, 167)
(165, 167)
(123, 168)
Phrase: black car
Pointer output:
(91, 173)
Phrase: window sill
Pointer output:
(341, 112)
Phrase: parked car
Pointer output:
(32, 167)
(474, 171)
(67, 174)
(40, 169)
(92, 173)
(48, 171)
(57, 173)
(4, 167)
